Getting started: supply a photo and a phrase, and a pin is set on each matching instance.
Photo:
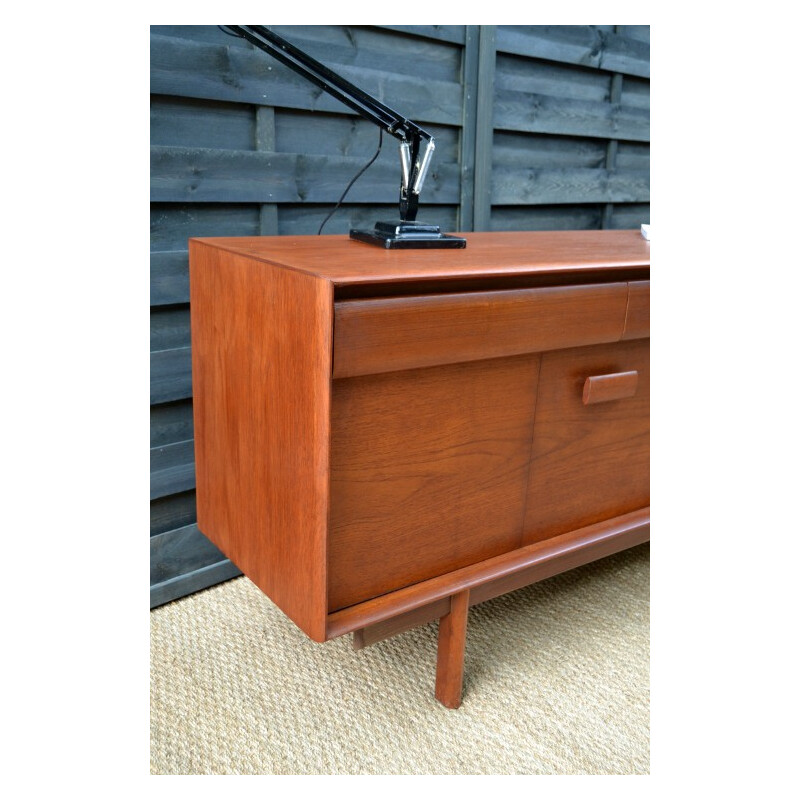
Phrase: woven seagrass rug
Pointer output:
(556, 681)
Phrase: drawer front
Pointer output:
(389, 334)
(428, 472)
(591, 445)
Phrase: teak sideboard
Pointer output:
(384, 438)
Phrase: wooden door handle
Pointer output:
(603, 388)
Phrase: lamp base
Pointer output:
(402, 235)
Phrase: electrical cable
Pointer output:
(357, 176)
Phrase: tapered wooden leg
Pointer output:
(450, 656)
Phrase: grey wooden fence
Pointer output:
(543, 127)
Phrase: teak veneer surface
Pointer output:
(429, 471)
(343, 261)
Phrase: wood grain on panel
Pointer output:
(261, 354)
(637, 318)
(428, 472)
(345, 261)
(450, 651)
(589, 462)
(503, 573)
(396, 333)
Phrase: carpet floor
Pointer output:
(556, 681)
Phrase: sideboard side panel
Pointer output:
(261, 361)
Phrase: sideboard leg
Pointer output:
(450, 656)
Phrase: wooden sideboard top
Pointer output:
(344, 261)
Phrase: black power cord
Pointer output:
(357, 176)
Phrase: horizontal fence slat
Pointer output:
(170, 375)
(633, 157)
(518, 111)
(545, 151)
(584, 45)
(172, 511)
(171, 423)
(233, 74)
(169, 328)
(640, 33)
(626, 55)
(445, 33)
(203, 175)
(625, 217)
(195, 581)
(173, 224)
(542, 186)
(187, 122)
(565, 81)
(169, 277)
(635, 93)
(172, 469)
(546, 218)
(180, 551)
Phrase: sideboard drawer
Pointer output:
(397, 333)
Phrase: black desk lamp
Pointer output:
(405, 232)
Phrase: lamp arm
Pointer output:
(414, 168)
